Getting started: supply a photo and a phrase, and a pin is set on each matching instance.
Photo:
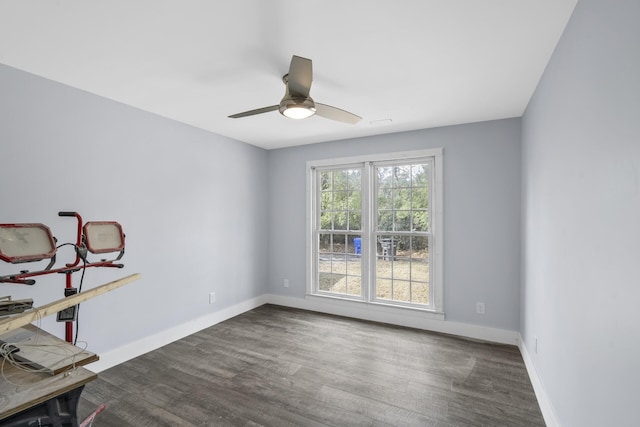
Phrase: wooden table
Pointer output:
(50, 396)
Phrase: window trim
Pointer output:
(437, 199)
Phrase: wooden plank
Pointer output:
(28, 389)
(41, 350)
(25, 318)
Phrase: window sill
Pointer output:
(375, 311)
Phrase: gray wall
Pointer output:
(481, 208)
(189, 201)
(581, 212)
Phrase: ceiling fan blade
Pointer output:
(254, 112)
(333, 113)
(300, 76)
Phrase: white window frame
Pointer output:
(436, 251)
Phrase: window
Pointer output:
(375, 228)
(339, 230)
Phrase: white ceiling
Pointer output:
(419, 63)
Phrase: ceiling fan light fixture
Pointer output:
(298, 112)
(297, 108)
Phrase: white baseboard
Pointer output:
(147, 344)
(395, 316)
(543, 399)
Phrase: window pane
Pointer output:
(402, 221)
(420, 293)
(402, 290)
(354, 286)
(354, 266)
(420, 247)
(384, 270)
(324, 281)
(355, 179)
(326, 220)
(325, 180)
(385, 198)
(339, 264)
(419, 198)
(420, 175)
(420, 270)
(387, 247)
(338, 243)
(340, 180)
(385, 221)
(355, 244)
(384, 289)
(340, 199)
(324, 243)
(402, 176)
(420, 220)
(326, 200)
(354, 201)
(354, 221)
(402, 198)
(340, 220)
(385, 177)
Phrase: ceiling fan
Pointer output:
(296, 103)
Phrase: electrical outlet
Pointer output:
(212, 297)
(480, 308)
(286, 283)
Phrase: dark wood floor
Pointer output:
(276, 366)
